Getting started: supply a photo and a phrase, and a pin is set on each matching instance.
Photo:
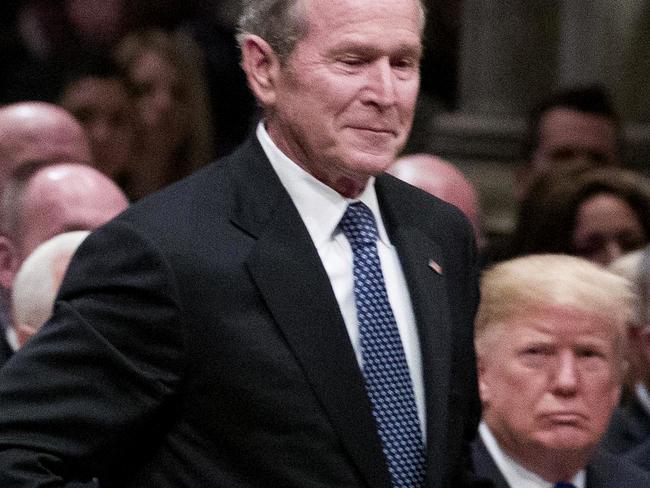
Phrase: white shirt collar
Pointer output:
(643, 396)
(12, 338)
(514, 473)
(321, 207)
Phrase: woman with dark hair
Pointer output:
(598, 213)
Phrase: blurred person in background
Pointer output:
(442, 179)
(37, 282)
(597, 213)
(48, 36)
(572, 124)
(630, 425)
(163, 73)
(31, 131)
(42, 200)
(96, 95)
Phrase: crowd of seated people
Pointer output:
(137, 76)
(41, 200)
(557, 335)
(597, 213)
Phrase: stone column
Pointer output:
(507, 54)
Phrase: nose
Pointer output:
(381, 83)
(566, 374)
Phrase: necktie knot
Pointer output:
(358, 225)
(564, 485)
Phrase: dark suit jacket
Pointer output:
(5, 349)
(640, 455)
(603, 471)
(629, 427)
(197, 342)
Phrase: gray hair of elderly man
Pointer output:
(281, 23)
(635, 266)
(38, 280)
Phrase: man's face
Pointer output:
(161, 99)
(549, 383)
(567, 135)
(345, 98)
(102, 106)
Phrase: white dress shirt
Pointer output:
(643, 396)
(515, 474)
(321, 209)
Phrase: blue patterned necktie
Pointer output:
(386, 372)
(564, 485)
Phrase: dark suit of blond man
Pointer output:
(550, 340)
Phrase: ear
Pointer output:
(262, 66)
(8, 262)
(483, 385)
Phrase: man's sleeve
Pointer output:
(80, 396)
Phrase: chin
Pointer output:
(374, 164)
(570, 442)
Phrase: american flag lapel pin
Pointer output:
(435, 266)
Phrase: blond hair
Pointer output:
(531, 283)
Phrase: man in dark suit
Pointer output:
(217, 334)
(630, 424)
(640, 455)
(550, 341)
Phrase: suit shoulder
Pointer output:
(605, 470)
(423, 209)
(205, 191)
(629, 427)
(413, 195)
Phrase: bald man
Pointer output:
(443, 180)
(41, 201)
(38, 280)
(39, 131)
(35, 131)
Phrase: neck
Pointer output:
(553, 466)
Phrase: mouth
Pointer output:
(565, 418)
(375, 130)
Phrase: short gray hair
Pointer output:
(281, 23)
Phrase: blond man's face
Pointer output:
(550, 380)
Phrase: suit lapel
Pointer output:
(428, 292)
(484, 465)
(286, 267)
